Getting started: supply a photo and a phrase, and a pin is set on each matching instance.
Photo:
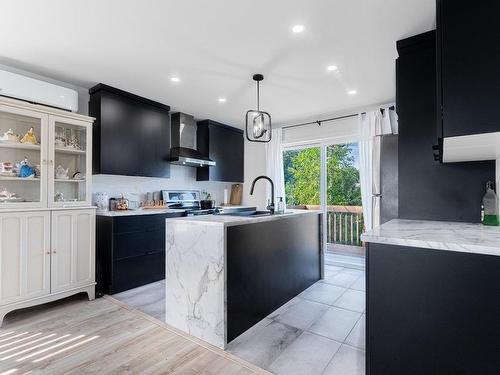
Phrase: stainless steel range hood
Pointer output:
(183, 150)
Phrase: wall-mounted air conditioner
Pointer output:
(36, 91)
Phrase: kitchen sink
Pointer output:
(248, 213)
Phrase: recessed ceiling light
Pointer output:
(298, 28)
(222, 100)
(175, 79)
(352, 92)
(332, 68)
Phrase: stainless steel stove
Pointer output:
(186, 199)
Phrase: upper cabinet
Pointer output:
(225, 146)
(70, 161)
(45, 156)
(131, 134)
(468, 79)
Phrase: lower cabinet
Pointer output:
(44, 256)
(431, 312)
(24, 256)
(73, 249)
(130, 251)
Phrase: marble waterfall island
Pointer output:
(226, 273)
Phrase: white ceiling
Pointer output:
(214, 47)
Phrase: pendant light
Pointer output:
(258, 123)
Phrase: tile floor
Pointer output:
(321, 331)
(149, 299)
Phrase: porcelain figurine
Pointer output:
(61, 172)
(9, 136)
(6, 195)
(25, 170)
(29, 137)
(58, 197)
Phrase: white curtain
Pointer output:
(372, 126)
(274, 165)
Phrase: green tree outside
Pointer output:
(302, 176)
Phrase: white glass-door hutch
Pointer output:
(47, 224)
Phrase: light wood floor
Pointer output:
(77, 336)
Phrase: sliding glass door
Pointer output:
(326, 176)
(343, 209)
(302, 167)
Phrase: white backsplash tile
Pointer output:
(135, 188)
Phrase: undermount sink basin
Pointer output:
(251, 213)
(248, 213)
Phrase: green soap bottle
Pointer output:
(490, 206)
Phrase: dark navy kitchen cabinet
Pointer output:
(431, 311)
(130, 251)
(468, 67)
(131, 134)
(429, 190)
(224, 145)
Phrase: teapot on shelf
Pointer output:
(62, 173)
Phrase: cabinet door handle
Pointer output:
(48, 252)
(44, 161)
(51, 162)
(54, 252)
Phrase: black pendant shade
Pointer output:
(258, 123)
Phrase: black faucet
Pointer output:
(270, 207)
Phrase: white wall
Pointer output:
(338, 130)
(255, 165)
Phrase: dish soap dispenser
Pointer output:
(490, 206)
(281, 206)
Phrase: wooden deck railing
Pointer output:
(344, 224)
(344, 227)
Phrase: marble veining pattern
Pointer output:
(196, 275)
(195, 279)
(440, 235)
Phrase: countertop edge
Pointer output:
(241, 221)
(452, 244)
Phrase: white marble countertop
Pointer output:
(440, 235)
(139, 211)
(230, 220)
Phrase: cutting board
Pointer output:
(236, 194)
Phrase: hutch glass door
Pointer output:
(23, 164)
(69, 165)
